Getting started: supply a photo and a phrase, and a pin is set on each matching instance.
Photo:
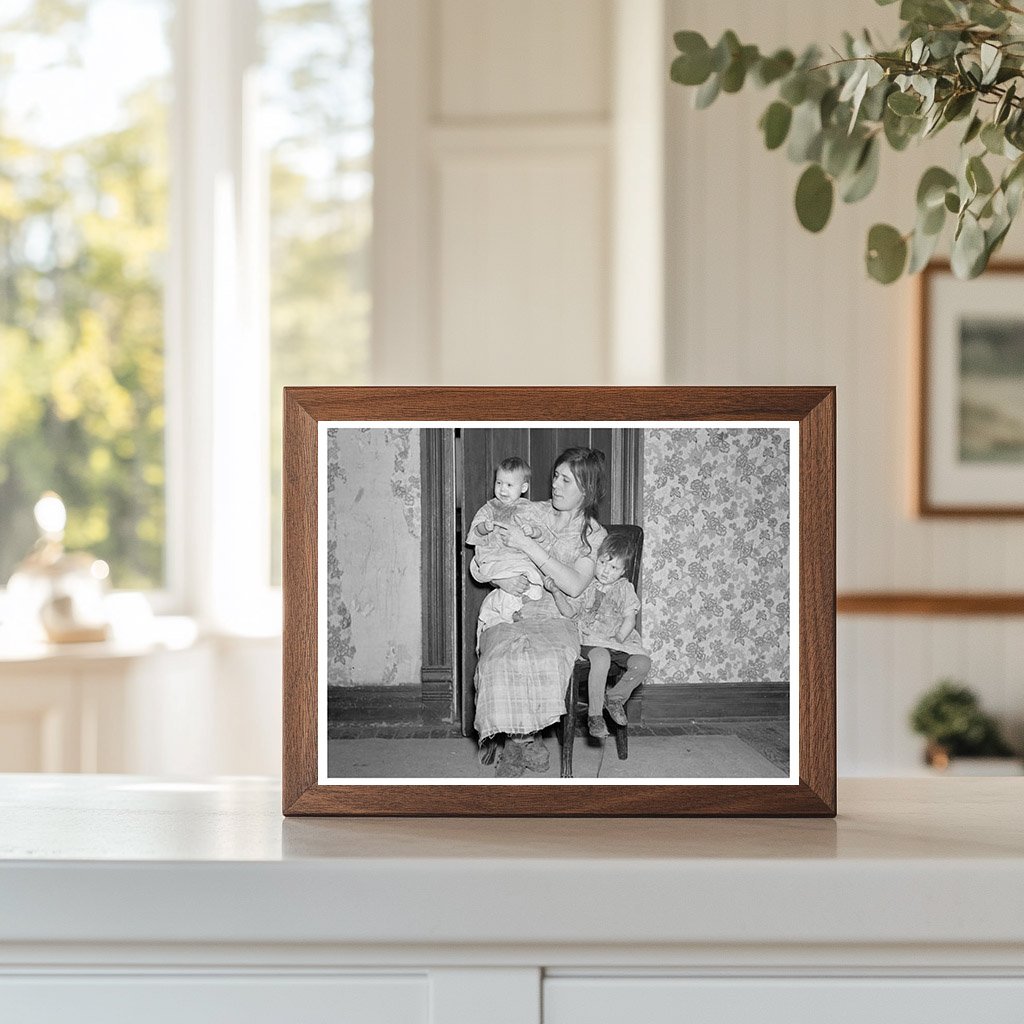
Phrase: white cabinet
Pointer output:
(241, 999)
(128, 898)
(823, 1000)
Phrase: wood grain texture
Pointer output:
(299, 597)
(812, 407)
(437, 543)
(817, 640)
(925, 603)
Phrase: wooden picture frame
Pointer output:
(969, 448)
(804, 415)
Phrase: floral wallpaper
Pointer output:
(716, 554)
(374, 631)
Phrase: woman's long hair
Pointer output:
(587, 468)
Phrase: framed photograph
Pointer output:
(559, 601)
(970, 450)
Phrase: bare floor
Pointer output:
(769, 737)
(691, 756)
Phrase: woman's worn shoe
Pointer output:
(596, 726)
(616, 711)
(535, 754)
(511, 763)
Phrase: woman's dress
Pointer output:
(524, 666)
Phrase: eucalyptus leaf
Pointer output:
(933, 122)
(932, 221)
(873, 106)
(1004, 106)
(968, 247)
(775, 123)
(904, 103)
(1013, 187)
(840, 152)
(735, 74)
(987, 15)
(794, 88)
(865, 174)
(991, 60)
(972, 132)
(958, 105)
(771, 69)
(900, 130)
(688, 71)
(814, 194)
(978, 176)
(993, 138)
(707, 93)
(805, 133)
(952, 202)
(1013, 191)
(922, 248)
(995, 233)
(724, 51)
(886, 253)
(828, 104)
(931, 190)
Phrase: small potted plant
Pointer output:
(950, 717)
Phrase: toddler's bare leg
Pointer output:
(637, 667)
(600, 662)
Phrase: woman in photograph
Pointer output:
(524, 665)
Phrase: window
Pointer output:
(83, 236)
(317, 119)
(185, 222)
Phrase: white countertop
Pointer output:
(122, 859)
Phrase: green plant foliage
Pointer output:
(814, 198)
(82, 233)
(949, 715)
(956, 60)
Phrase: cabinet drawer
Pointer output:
(654, 1000)
(202, 999)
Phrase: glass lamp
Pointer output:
(58, 596)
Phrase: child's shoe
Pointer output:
(616, 711)
(596, 726)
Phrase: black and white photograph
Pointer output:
(537, 603)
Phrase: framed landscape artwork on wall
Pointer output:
(970, 446)
(559, 601)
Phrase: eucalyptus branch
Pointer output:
(833, 117)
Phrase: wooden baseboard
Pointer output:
(654, 704)
(386, 705)
(678, 702)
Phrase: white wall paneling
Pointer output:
(518, 241)
(751, 298)
(523, 243)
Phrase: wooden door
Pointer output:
(478, 452)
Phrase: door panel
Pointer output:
(482, 448)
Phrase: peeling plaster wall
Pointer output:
(374, 631)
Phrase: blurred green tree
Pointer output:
(82, 233)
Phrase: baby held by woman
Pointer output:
(493, 560)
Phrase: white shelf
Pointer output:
(917, 886)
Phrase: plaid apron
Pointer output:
(522, 674)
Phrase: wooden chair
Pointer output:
(576, 692)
